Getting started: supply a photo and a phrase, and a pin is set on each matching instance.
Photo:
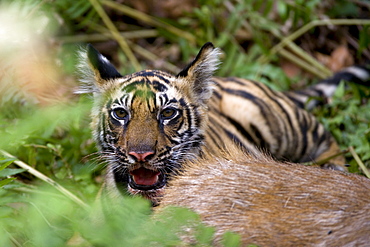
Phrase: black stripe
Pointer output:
(324, 137)
(302, 92)
(272, 96)
(317, 92)
(217, 95)
(265, 111)
(235, 139)
(248, 96)
(125, 98)
(303, 125)
(159, 86)
(296, 101)
(161, 100)
(165, 97)
(161, 78)
(244, 131)
(315, 134)
(166, 151)
(214, 141)
(213, 134)
(346, 76)
(312, 95)
(237, 80)
(262, 142)
(188, 114)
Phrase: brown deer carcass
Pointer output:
(275, 204)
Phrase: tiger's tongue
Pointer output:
(144, 176)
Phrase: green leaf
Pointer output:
(340, 90)
(364, 40)
(10, 172)
(6, 181)
(5, 162)
(231, 239)
(205, 235)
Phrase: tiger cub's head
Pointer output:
(148, 123)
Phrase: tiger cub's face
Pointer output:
(148, 123)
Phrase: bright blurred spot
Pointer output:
(28, 68)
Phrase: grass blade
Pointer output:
(46, 179)
(121, 40)
(359, 162)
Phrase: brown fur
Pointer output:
(275, 204)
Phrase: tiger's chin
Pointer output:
(148, 183)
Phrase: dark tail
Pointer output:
(319, 93)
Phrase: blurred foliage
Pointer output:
(45, 125)
(348, 118)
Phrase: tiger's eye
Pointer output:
(119, 113)
(168, 113)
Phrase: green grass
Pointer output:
(55, 139)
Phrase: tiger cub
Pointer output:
(149, 123)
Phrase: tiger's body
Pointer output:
(149, 123)
(253, 115)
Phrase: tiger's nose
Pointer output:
(142, 156)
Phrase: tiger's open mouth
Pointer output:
(146, 179)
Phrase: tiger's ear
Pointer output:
(95, 70)
(198, 73)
